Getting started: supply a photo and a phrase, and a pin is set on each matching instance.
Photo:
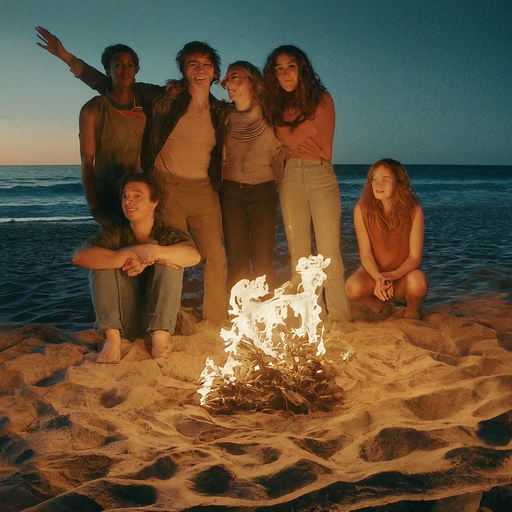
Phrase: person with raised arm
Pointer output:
(297, 105)
(182, 143)
(137, 271)
(251, 168)
(389, 225)
(111, 127)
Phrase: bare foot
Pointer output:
(160, 341)
(111, 352)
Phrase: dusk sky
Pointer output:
(421, 81)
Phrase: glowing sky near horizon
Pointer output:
(418, 81)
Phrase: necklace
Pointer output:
(125, 106)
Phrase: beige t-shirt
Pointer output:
(186, 152)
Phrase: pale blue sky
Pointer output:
(421, 81)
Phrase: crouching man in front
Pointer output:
(137, 271)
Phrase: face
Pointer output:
(287, 72)
(199, 71)
(239, 85)
(383, 183)
(122, 69)
(137, 203)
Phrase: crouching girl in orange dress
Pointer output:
(389, 225)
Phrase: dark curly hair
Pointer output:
(110, 51)
(306, 96)
(198, 48)
(404, 200)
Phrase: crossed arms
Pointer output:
(134, 259)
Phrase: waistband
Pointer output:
(304, 162)
(248, 186)
(181, 181)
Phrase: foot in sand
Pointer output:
(160, 341)
(111, 352)
(414, 314)
(411, 314)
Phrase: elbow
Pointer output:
(78, 259)
(195, 259)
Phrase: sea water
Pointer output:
(44, 217)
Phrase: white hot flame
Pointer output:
(264, 323)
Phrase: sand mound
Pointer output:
(425, 423)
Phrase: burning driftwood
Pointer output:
(275, 349)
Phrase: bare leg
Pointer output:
(413, 288)
(160, 341)
(111, 352)
(360, 287)
(413, 310)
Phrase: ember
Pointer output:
(275, 349)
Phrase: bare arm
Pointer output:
(95, 79)
(52, 44)
(89, 75)
(179, 255)
(88, 117)
(98, 258)
(415, 247)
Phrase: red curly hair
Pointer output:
(403, 204)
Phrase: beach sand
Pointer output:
(424, 423)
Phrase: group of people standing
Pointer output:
(209, 172)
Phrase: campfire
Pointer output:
(276, 353)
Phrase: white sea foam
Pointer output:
(45, 219)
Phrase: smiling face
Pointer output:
(122, 70)
(199, 71)
(383, 184)
(137, 203)
(287, 72)
(239, 86)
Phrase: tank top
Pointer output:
(118, 144)
(389, 250)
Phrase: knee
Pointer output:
(168, 273)
(353, 288)
(103, 278)
(417, 285)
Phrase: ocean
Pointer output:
(44, 218)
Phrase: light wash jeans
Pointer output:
(134, 305)
(309, 193)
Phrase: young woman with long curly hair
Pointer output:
(389, 226)
(298, 106)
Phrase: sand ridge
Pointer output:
(426, 415)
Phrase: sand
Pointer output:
(425, 423)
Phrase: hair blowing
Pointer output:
(199, 48)
(306, 96)
(403, 203)
(253, 73)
